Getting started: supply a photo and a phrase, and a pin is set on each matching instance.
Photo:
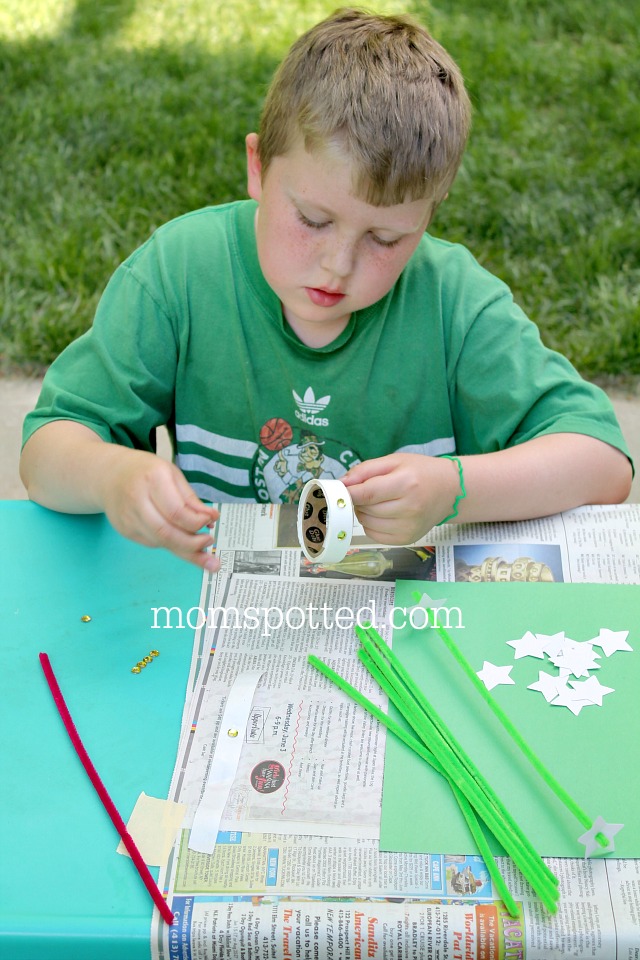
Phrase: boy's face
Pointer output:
(322, 250)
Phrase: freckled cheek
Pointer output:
(383, 269)
(286, 252)
(298, 247)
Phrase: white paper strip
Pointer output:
(224, 764)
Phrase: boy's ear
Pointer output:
(254, 167)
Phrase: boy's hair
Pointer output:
(383, 89)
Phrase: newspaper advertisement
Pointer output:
(305, 878)
(597, 917)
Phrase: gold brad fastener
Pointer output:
(141, 664)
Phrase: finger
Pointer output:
(396, 533)
(383, 510)
(195, 549)
(368, 469)
(377, 490)
(194, 517)
(182, 536)
(160, 532)
(200, 512)
(207, 561)
(151, 524)
(193, 503)
(393, 536)
(384, 526)
(177, 502)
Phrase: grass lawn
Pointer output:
(116, 115)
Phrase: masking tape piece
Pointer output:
(153, 825)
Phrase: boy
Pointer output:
(317, 330)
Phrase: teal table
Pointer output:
(64, 892)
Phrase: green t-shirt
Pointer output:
(189, 334)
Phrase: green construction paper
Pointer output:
(594, 755)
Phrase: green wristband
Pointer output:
(462, 493)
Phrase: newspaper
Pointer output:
(303, 876)
(596, 918)
(595, 544)
(321, 753)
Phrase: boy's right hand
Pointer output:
(67, 467)
(148, 500)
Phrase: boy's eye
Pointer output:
(385, 243)
(310, 223)
(319, 225)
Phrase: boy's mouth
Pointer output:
(323, 298)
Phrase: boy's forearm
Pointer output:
(64, 466)
(543, 476)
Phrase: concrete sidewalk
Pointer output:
(18, 396)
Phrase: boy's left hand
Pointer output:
(400, 497)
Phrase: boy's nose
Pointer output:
(338, 258)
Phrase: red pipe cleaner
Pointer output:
(101, 790)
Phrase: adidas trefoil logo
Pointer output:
(309, 408)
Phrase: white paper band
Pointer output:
(224, 764)
(325, 521)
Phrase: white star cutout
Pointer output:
(573, 699)
(548, 685)
(551, 642)
(424, 603)
(591, 689)
(529, 645)
(492, 676)
(577, 658)
(573, 659)
(609, 830)
(612, 640)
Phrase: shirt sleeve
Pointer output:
(506, 387)
(119, 377)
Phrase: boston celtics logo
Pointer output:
(288, 457)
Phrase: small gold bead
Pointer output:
(341, 503)
(232, 732)
(141, 664)
(135, 669)
(86, 618)
(147, 659)
(154, 653)
(342, 535)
